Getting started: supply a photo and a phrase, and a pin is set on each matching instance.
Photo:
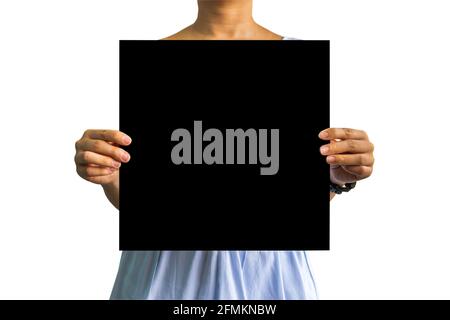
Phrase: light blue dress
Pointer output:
(214, 275)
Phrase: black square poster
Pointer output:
(225, 152)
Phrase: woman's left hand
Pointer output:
(349, 153)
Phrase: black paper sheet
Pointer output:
(225, 152)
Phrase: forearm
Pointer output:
(112, 192)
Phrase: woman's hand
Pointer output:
(98, 156)
(349, 153)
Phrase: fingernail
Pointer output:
(111, 170)
(324, 149)
(116, 164)
(126, 139)
(323, 134)
(125, 156)
(331, 159)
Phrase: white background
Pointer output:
(390, 77)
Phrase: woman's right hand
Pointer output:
(98, 156)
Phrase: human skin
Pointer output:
(99, 154)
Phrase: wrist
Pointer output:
(111, 191)
(110, 185)
(337, 181)
(113, 184)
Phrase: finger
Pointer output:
(359, 171)
(89, 157)
(89, 171)
(347, 146)
(361, 159)
(113, 136)
(104, 148)
(343, 133)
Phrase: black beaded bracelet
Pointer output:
(339, 189)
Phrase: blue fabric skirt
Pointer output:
(214, 275)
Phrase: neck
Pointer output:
(225, 19)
